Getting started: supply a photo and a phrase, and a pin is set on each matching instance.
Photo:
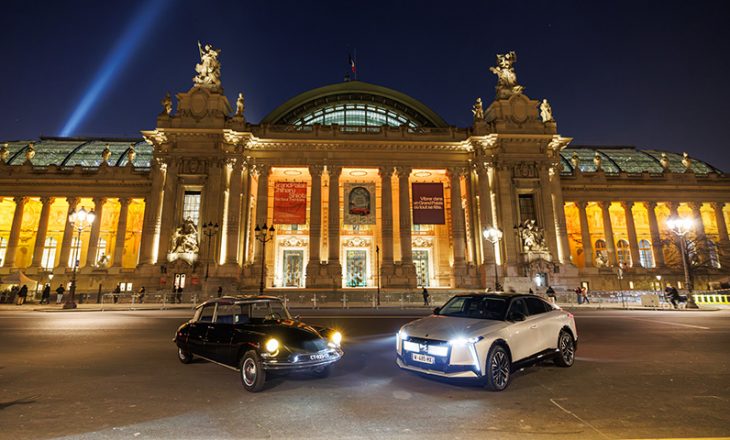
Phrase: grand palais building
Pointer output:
(364, 186)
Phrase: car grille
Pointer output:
(441, 363)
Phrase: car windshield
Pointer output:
(268, 310)
(478, 307)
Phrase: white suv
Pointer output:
(487, 336)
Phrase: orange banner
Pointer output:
(290, 203)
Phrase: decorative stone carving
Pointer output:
(597, 160)
(30, 153)
(546, 112)
(478, 110)
(209, 69)
(524, 169)
(687, 162)
(664, 161)
(131, 155)
(184, 243)
(533, 237)
(506, 76)
(575, 160)
(105, 155)
(4, 153)
(240, 105)
(601, 260)
(103, 261)
(422, 242)
(357, 242)
(292, 242)
(166, 104)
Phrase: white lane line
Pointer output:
(579, 419)
(364, 317)
(671, 323)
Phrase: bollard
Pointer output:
(314, 301)
(344, 300)
(286, 302)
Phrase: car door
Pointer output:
(220, 333)
(540, 323)
(521, 334)
(198, 333)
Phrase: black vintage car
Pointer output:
(256, 334)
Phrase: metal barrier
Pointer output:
(712, 298)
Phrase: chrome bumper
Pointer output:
(333, 355)
(458, 374)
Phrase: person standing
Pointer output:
(584, 295)
(579, 295)
(59, 294)
(179, 294)
(115, 293)
(220, 291)
(551, 294)
(426, 296)
(46, 294)
(140, 294)
(22, 293)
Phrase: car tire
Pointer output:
(184, 356)
(322, 372)
(566, 350)
(498, 371)
(253, 375)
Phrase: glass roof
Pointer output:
(355, 114)
(86, 153)
(629, 160)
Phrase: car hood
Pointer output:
(294, 335)
(445, 328)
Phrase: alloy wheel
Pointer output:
(248, 372)
(500, 369)
(567, 348)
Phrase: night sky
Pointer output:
(648, 74)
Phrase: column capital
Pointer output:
(672, 206)
(72, 202)
(261, 169)
(456, 172)
(99, 201)
(385, 171)
(334, 171)
(124, 201)
(582, 204)
(651, 205)
(47, 200)
(403, 172)
(717, 206)
(316, 170)
(695, 206)
(604, 205)
(20, 200)
(627, 204)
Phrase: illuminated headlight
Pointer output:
(410, 346)
(336, 338)
(438, 350)
(402, 335)
(464, 341)
(272, 345)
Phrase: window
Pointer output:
(101, 258)
(206, 314)
(518, 306)
(623, 253)
(646, 256)
(712, 253)
(536, 306)
(601, 252)
(75, 255)
(48, 258)
(226, 312)
(3, 249)
(475, 307)
(355, 115)
(527, 207)
(191, 206)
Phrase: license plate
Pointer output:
(423, 358)
(318, 357)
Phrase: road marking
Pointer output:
(579, 419)
(671, 323)
(365, 317)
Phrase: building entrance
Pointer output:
(293, 268)
(356, 275)
(420, 260)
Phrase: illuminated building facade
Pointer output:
(357, 178)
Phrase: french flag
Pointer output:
(352, 63)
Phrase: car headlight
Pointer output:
(336, 338)
(272, 345)
(464, 341)
(402, 334)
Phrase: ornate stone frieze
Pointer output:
(356, 242)
(525, 169)
(422, 242)
(292, 242)
(532, 236)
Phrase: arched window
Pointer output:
(601, 253)
(646, 255)
(75, 254)
(712, 253)
(3, 249)
(48, 259)
(623, 254)
(101, 257)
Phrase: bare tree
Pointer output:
(705, 257)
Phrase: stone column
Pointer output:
(404, 208)
(121, 231)
(387, 221)
(315, 225)
(561, 230)
(243, 252)
(152, 214)
(457, 224)
(673, 209)
(15, 231)
(631, 230)
(720, 219)
(585, 234)
(656, 238)
(262, 205)
(699, 223)
(471, 238)
(40, 239)
(221, 212)
(333, 232)
(508, 218)
(608, 233)
(485, 213)
(233, 222)
(68, 233)
(170, 212)
(95, 230)
(549, 215)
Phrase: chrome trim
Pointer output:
(336, 355)
(459, 374)
(216, 362)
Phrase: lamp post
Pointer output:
(377, 277)
(79, 221)
(620, 276)
(681, 227)
(263, 235)
(210, 230)
(494, 235)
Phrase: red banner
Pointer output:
(428, 203)
(290, 203)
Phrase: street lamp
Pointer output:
(263, 235)
(210, 230)
(493, 235)
(620, 276)
(377, 263)
(78, 221)
(681, 227)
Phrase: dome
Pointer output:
(629, 159)
(354, 103)
(69, 152)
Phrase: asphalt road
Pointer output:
(115, 375)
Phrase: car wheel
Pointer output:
(499, 369)
(322, 372)
(184, 356)
(566, 349)
(253, 375)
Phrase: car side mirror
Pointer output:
(517, 316)
(436, 310)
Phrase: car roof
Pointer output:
(232, 299)
(505, 295)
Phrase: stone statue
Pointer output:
(533, 237)
(30, 152)
(106, 154)
(597, 160)
(4, 153)
(103, 261)
(687, 162)
(131, 155)
(506, 76)
(665, 162)
(478, 110)
(209, 69)
(546, 112)
(240, 105)
(185, 239)
(575, 160)
(601, 260)
(167, 104)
